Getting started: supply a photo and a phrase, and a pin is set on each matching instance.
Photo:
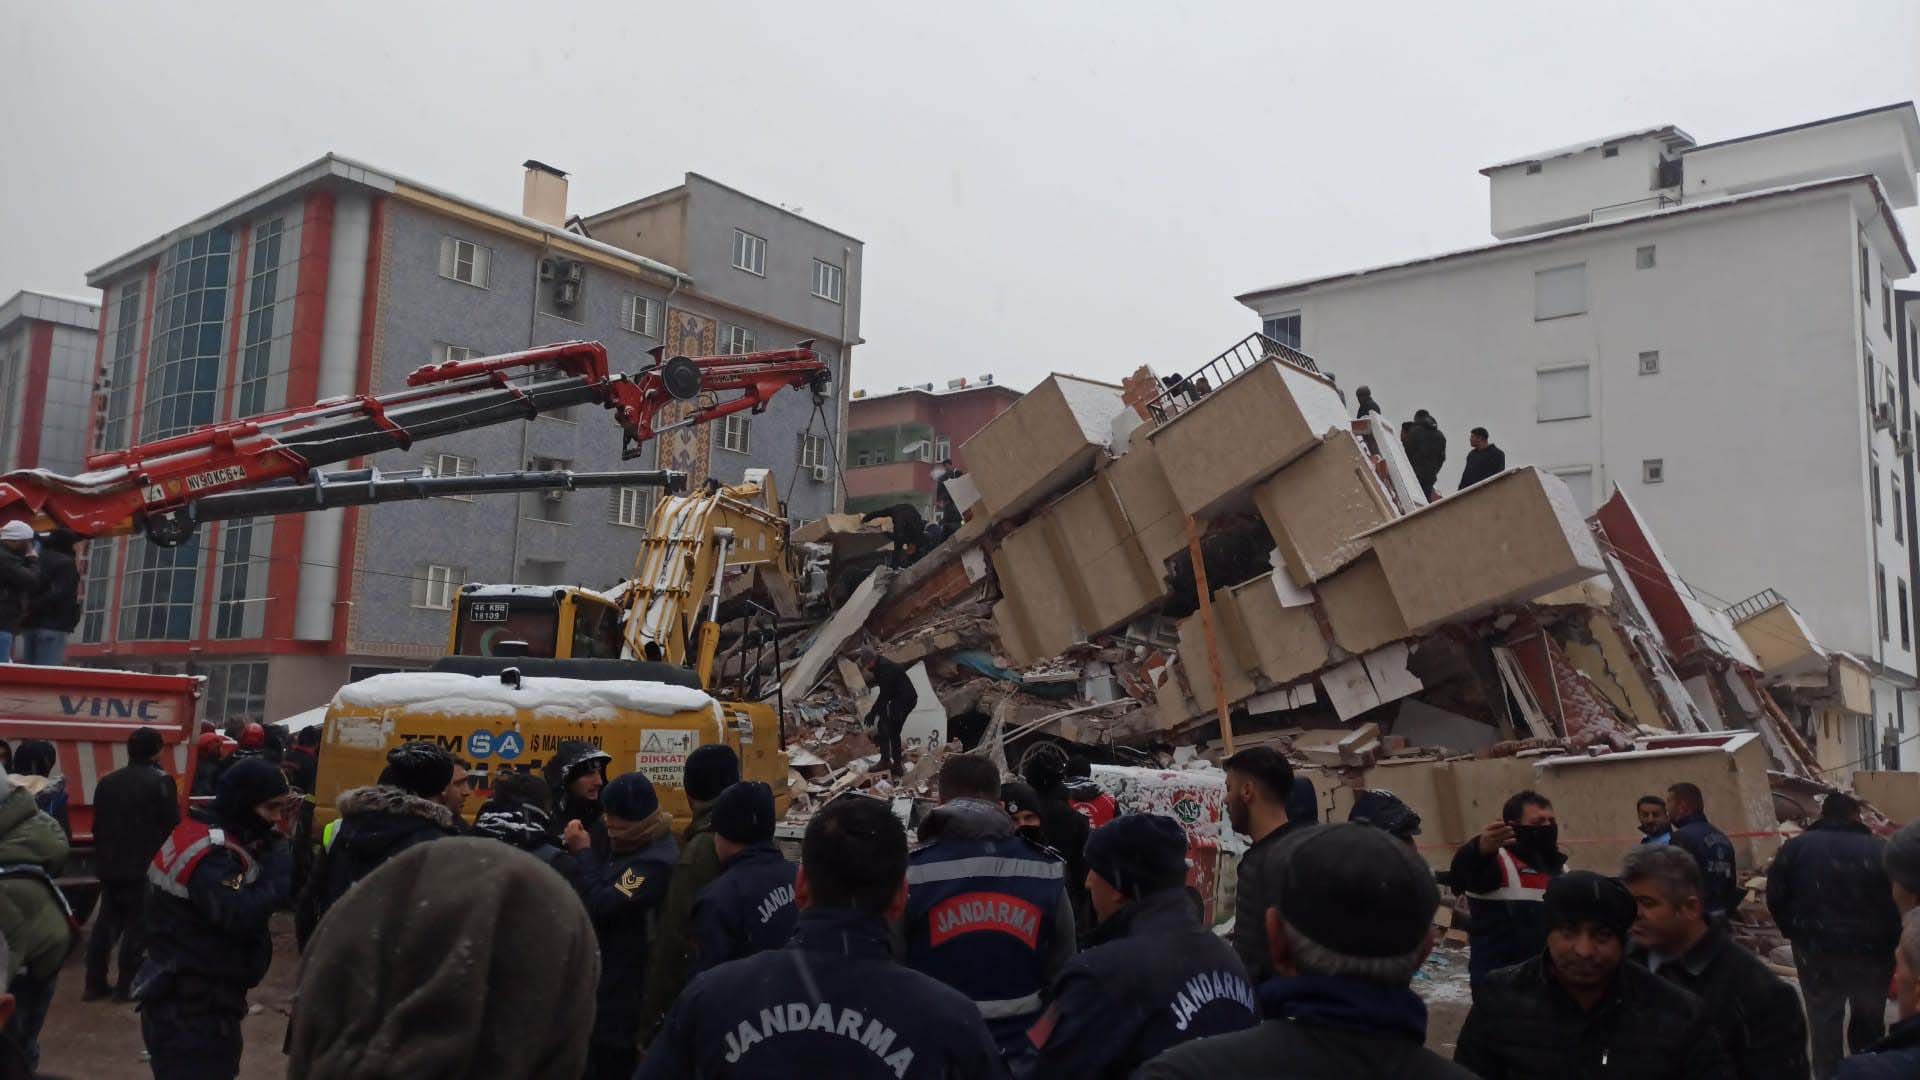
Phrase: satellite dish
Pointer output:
(681, 378)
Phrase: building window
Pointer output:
(1643, 258)
(1650, 362)
(1579, 481)
(640, 315)
(1653, 470)
(97, 591)
(813, 451)
(119, 378)
(1899, 517)
(1533, 168)
(1886, 303)
(236, 693)
(465, 261)
(1611, 151)
(1562, 393)
(738, 340)
(630, 506)
(263, 288)
(159, 595)
(189, 330)
(453, 465)
(1560, 292)
(1906, 632)
(749, 252)
(1866, 273)
(444, 353)
(733, 432)
(942, 448)
(437, 586)
(240, 599)
(828, 280)
(1874, 471)
(1880, 594)
(1283, 328)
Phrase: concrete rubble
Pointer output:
(1453, 653)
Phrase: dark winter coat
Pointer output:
(1508, 925)
(1755, 1012)
(1828, 892)
(831, 1004)
(1896, 1057)
(56, 605)
(1482, 462)
(306, 768)
(1523, 1025)
(1065, 830)
(670, 958)
(133, 811)
(1250, 902)
(377, 823)
(570, 807)
(1710, 847)
(1152, 977)
(897, 694)
(1426, 449)
(747, 909)
(1367, 405)
(1322, 1028)
(32, 917)
(20, 582)
(215, 939)
(527, 828)
(622, 895)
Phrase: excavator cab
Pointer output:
(562, 622)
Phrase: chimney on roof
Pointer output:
(544, 198)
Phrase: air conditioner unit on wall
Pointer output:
(820, 474)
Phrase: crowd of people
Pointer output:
(1030, 930)
(39, 593)
(1426, 448)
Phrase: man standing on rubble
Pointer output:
(1755, 1012)
(1483, 460)
(908, 530)
(1695, 835)
(1152, 976)
(749, 907)
(987, 910)
(1829, 895)
(1504, 873)
(1580, 1009)
(1259, 786)
(891, 709)
(832, 1003)
(1426, 451)
(709, 770)
(1364, 397)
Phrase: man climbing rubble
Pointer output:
(908, 530)
(987, 910)
(891, 709)
(1504, 873)
(1426, 448)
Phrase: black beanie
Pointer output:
(1303, 803)
(629, 796)
(1016, 797)
(1586, 897)
(419, 768)
(1355, 890)
(1139, 854)
(711, 769)
(247, 783)
(1384, 810)
(743, 813)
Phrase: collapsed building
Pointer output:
(1158, 573)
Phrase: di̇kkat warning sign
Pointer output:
(663, 755)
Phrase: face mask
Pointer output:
(1032, 832)
(1540, 838)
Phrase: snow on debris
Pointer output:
(576, 699)
(1093, 405)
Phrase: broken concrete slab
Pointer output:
(831, 638)
(1035, 610)
(1045, 442)
(1193, 657)
(1360, 608)
(1268, 415)
(1320, 507)
(1512, 537)
(1426, 725)
(1349, 689)
(1112, 581)
(1153, 514)
(1283, 643)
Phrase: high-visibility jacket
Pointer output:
(1507, 895)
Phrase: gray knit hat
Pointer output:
(1902, 859)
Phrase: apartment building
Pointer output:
(341, 278)
(895, 440)
(1707, 326)
(46, 380)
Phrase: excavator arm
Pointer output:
(154, 488)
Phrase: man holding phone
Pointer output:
(1504, 873)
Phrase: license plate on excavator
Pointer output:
(487, 611)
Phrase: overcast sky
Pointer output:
(1041, 187)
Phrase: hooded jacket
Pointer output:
(455, 959)
(526, 827)
(56, 604)
(622, 894)
(1828, 891)
(1152, 977)
(1523, 1024)
(570, 807)
(670, 958)
(214, 940)
(33, 917)
(1426, 448)
(377, 823)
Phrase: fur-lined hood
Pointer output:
(382, 799)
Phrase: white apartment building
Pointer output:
(1710, 327)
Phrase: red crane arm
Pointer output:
(142, 488)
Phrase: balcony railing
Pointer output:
(1754, 605)
(1185, 391)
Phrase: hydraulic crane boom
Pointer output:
(153, 488)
